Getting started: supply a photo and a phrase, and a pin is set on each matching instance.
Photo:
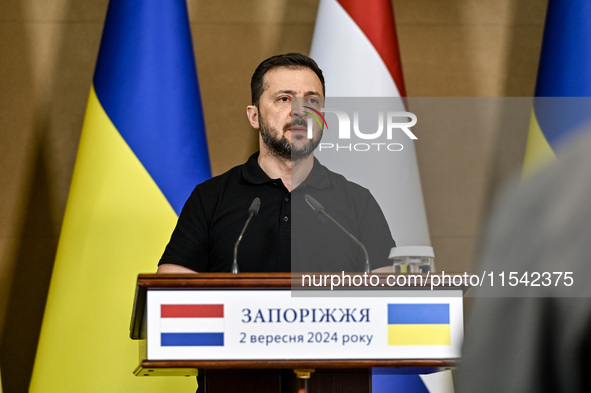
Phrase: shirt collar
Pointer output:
(254, 174)
(318, 177)
(252, 171)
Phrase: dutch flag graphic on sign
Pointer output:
(192, 325)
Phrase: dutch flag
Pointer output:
(192, 325)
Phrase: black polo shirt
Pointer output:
(285, 230)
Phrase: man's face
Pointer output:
(282, 123)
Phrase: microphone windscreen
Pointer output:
(255, 206)
(314, 204)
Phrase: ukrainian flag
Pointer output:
(564, 71)
(141, 152)
(419, 324)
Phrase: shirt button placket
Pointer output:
(285, 209)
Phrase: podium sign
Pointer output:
(255, 321)
(273, 325)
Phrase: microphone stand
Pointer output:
(317, 207)
(252, 211)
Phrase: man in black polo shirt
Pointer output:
(286, 235)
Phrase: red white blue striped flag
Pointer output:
(191, 325)
(356, 46)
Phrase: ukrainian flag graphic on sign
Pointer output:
(419, 324)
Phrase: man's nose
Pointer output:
(297, 108)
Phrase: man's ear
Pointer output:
(252, 112)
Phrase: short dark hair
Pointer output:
(288, 60)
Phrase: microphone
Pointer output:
(252, 211)
(318, 208)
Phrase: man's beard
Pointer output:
(281, 147)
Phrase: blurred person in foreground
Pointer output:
(535, 335)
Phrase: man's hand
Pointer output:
(172, 268)
(383, 269)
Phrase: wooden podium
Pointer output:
(278, 332)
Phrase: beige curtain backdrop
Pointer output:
(48, 51)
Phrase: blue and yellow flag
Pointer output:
(564, 71)
(142, 151)
(419, 324)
